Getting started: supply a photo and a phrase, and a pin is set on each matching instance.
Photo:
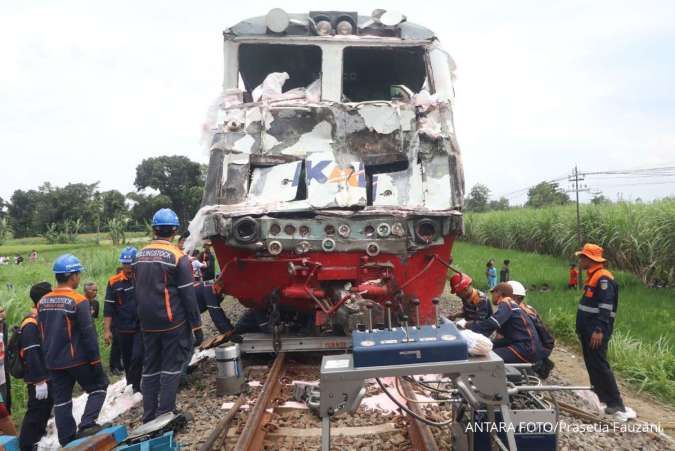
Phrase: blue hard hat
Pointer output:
(66, 264)
(128, 255)
(165, 217)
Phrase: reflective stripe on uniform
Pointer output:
(186, 285)
(29, 347)
(495, 320)
(606, 306)
(158, 261)
(585, 308)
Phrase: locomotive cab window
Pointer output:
(372, 73)
(301, 62)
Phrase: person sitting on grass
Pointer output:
(520, 342)
(545, 365)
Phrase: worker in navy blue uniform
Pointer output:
(545, 365)
(120, 318)
(36, 376)
(168, 314)
(520, 342)
(209, 297)
(475, 304)
(594, 326)
(71, 350)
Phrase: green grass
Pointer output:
(641, 349)
(100, 263)
(24, 246)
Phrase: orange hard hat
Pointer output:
(459, 282)
(593, 252)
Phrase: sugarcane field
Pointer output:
(337, 226)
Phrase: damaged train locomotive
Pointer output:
(335, 181)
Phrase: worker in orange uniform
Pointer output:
(574, 277)
(595, 324)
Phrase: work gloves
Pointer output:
(199, 337)
(41, 391)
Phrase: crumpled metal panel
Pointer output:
(275, 183)
(412, 155)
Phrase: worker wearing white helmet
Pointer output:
(545, 336)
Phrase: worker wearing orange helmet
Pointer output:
(595, 324)
(475, 303)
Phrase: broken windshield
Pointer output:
(369, 73)
(301, 62)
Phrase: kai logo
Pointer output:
(351, 175)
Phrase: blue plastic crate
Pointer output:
(9, 443)
(164, 442)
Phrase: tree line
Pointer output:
(58, 212)
(541, 195)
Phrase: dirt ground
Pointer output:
(570, 366)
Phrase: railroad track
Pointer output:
(257, 427)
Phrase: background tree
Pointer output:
(501, 204)
(546, 193)
(478, 198)
(114, 204)
(144, 206)
(23, 212)
(598, 199)
(175, 177)
(3, 208)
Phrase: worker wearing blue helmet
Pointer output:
(71, 350)
(120, 319)
(168, 314)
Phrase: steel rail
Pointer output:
(253, 434)
(420, 434)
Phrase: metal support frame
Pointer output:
(257, 343)
(481, 380)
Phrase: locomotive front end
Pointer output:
(335, 180)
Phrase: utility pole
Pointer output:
(576, 177)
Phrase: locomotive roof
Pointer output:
(256, 26)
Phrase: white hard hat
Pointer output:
(518, 288)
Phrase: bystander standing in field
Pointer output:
(505, 272)
(594, 326)
(33, 256)
(208, 273)
(491, 274)
(90, 292)
(574, 276)
(197, 266)
(5, 380)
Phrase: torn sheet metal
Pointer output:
(330, 184)
(275, 183)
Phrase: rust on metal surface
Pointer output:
(420, 435)
(253, 434)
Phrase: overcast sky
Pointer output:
(89, 89)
